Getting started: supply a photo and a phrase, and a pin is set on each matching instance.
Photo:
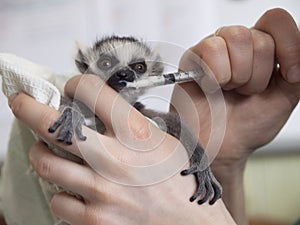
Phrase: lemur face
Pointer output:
(119, 60)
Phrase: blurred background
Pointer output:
(45, 32)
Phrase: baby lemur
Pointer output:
(119, 60)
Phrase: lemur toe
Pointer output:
(200, 190)
(55, 126)
(63, 137)
(69, 138)
(208, 186)
(189, 171)
(208, 192)
(217, 188)
(52, 129)
(71, 122)
(59, 122)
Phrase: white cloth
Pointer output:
(20, 75)
(23, 197)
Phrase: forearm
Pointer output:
(231, 176)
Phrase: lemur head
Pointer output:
(118, 59)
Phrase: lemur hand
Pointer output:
(112, 161)
(70, 123)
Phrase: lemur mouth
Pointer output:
(119, 79)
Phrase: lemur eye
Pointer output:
(105, 64)
(140, 68)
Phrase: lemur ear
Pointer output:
(81, 60)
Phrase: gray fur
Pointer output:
(114, 59)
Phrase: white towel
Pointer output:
(21, 75)
(25, 197)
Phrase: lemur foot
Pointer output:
(71, 122)
(207, 185)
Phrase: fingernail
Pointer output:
(11, 98)
(293, 74)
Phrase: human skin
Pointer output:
(104, 199)
(259, 96)
(255, 89)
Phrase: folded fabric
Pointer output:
(24, 197)
(20, 75)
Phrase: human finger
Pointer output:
(240, 51)
(282, 27)
(68, 208)
(213, 51)
(115, 112)
(263, 63)
(38, 117)
(60, 171)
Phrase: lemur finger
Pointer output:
(69, 138)
(208, 192)
(58, 123)
(200, 188)
(62, 136)
(55, 126)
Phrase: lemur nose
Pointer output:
(126, 74)
(122, 73)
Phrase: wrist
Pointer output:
(230, 173)
(229, 170)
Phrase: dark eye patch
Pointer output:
(106, 62)
(139, 67)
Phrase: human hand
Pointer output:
(120, 185)
(259, 96)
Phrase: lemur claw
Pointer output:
(208, 186)
(71, 122)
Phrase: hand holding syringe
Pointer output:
(164, 79)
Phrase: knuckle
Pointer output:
(99, 190)
(213, 46)
(215, 50)
(94, 190)
(93, 216)
(238, 34)
(190, 59)
(140, 130)
(263, 43)
(17, 105)
(43, 167)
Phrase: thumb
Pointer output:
(282, 27)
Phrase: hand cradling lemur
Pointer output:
(119, 60)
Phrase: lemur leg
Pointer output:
(208, 186)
